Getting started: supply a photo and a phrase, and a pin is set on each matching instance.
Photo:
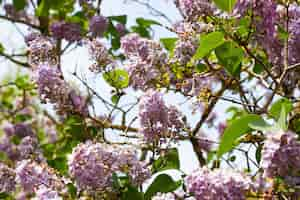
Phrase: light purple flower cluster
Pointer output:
(66, 30)
(98, 25)
(219, 184)
(7, 179)
(147, 61)
(157, 120)
(32, 175)
(54, 89)
(100, 55)
(93, 164)
(193, 9)
(42, 50)
(29, 149)
(281, 155)
(45, 193)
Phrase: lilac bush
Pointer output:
(103, 107)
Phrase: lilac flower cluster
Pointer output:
(98, 25)
(93, 164)
(66, 30)
(100, 55)
(42, 50)
(157, 120)
(281, 155)
(147, 61)
(7, 179)
(193, 9)
(45, 193)
(54, 89)
(218, 184)
(28, 147)
(32, 175)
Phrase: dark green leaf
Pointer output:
(19, 4)
(235, 130)
(146, 22)
(1, 48)
(208, 43)
(226, 5)
(162, 183)
(258, 153)
(230, 55)
(132, 193)
(120, 18)
(169, 161)
(117, 78)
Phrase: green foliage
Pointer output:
(169, 43)
(226, 5)
(143, 26)
(162, 183)
(168, 161)
(208, 43)
(230, 55)
(122, 184)
(276, 107)
(235, 130)
(117, 78)
(19, 4)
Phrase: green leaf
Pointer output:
(235, 130)
(226, 5)
(117, 78)
(131, 193)
(19, 4)
(43, 9)
(120, 18)
(162, 183)
(258, 153)
(276, 108)
(169, 43)
(1, 48)
(169, 161)
(208, 43)
(282, 121)
(261, 125)
(230, 55)
(146, 22)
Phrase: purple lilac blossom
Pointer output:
(158, 121)
(98, 25)
(146, 61)
(32, 175)
(100, 55)
(7, 179)
(219, 184)
(66, 30)
(42, 50)
(281, 155)
(53, 89)
(93, 164)
(192, 10)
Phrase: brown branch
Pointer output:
(10, 58)
(19, 21)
